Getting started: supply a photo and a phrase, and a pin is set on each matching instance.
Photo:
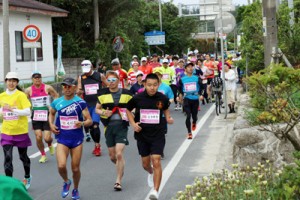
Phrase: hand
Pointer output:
(78, 124)
(170, 120)
(201, 98)
(107, 113)
(54, 129)
(136, 127)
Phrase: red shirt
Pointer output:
(155, 64)
(132, 77)
(122, 76)
(145, 69)
(210, 66)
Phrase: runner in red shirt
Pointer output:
(116, 66)
(155, 62)
(145, 68)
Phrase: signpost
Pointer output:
(32, 34)
(155, 37)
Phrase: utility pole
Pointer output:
(6, 49)
(160, 17)
(270, 32)
(292, 15)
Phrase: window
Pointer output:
(26, 54)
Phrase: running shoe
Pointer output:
(88, 137)
(162, 157)
(66, 188)
(98, 151)
(176, 108)
(150, 180)
(194, 126)
(43, 159)
(52, 150)
(190, 136)
(27, 182)
(153, 195)
(75, 194)
(199, 108)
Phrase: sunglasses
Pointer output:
(85, 65)
(67, 86)
(112, 80)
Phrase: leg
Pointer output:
(120, 164)
(48, 138)
(26, 161)
(146, 162)
(187, 110)
(194, 110)
(157, 171)
(75, 164)
(39, 141)
(8, 157)
(61, 157)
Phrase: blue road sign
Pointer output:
(155, 37)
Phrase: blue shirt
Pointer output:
(190, 87)
(166, 90)
(69, 111)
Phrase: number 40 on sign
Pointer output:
(31, 33)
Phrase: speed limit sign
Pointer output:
(31, 33)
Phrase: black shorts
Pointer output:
(147, 148)
(40, 125)
(209, 81)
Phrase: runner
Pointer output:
(190, 91)
(174, 79)
(138, 85)
(111, 107)
(168, 73)
(88, 85)
(149, 129)
(72, 113)
(14, 131)
(39, 95)
(163, 88)
(116, 66)
(179, 71)
(210, 74)
(145, 68)
(133, 74)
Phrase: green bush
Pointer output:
(262, 182)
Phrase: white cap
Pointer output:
(86, 66)
(143, 59)
(135, 63)
(190, 52)
(134, 56)
(165, 61)
(12, 75)
(196, 51)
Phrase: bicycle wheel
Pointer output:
(219, 99)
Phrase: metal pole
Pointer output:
(35, 60)
(270, 27)
(160, 17)
(6, 48)
(292, 15)
(222, 54)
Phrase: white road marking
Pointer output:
(167, 172)
(39, 153)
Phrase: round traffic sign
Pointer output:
(31, 33)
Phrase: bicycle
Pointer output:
(217, 88)
(218, 98)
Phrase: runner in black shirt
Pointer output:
(149, 128)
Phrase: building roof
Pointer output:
(32, 6)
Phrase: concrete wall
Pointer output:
(17, 22)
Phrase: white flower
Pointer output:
(248, 192)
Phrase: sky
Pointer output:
(235, 2)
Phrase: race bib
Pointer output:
(190, 87)
(40, 101)
(9, 115)
(91, 89)
(68, 122)
(40, 115)
(149, 116)
(166, 76)
(204, 81)
(123, 113)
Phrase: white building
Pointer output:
(21, 14)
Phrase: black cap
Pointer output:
(69, 81)
(36, 73)
(188, 64)
(154, 55)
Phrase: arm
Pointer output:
(53, 128)
(103, 79)
(79, 87)
(52, 92)
(28, 92)
(169, 119)
(23, 112)
(201, 91)
(88, 120)
(134, 125)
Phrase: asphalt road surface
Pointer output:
(180, 166)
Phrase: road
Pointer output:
(184, 160)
